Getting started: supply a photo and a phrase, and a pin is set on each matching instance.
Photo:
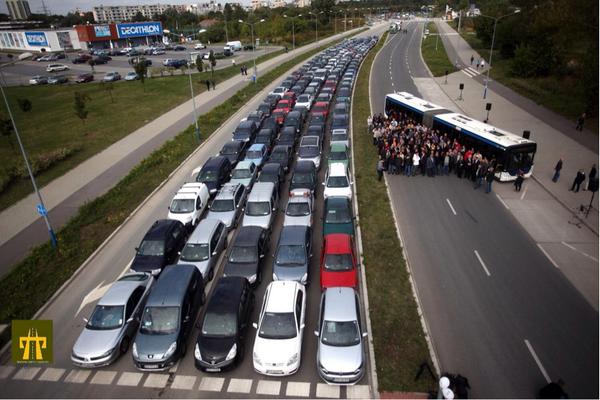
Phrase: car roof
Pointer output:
(170, 288)
(338, 146)
(337, 201)
(337, 304)
(226, 297)
(280, 147)
(203, 232)
(282, 295)
(257, 146)
(337, 169)
(248, 236)
(271, 168)
(160, 228)
(338, 243)
(304, 166)
(261, 191)
(293, 234)
(118, 293)
(234, 143)
(245, 164)
(246, 123)
(215, 162)
(228, 190)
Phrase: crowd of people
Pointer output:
(408, 148)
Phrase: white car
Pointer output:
(304, 101)
(132, 76)
(278, 344)
(199, 46)
(189, 204)
(56, 67)
(280, 90)
(299, 209)
(337, 182)
(158, 52)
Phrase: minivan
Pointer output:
(261, 206)
(204, 247)
(227, 204)
(168, 318)
(214, 173)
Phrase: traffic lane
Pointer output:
(417, 67)
(406, 58)
(535, 310)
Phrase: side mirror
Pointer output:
(214, 253)
(137, 249)
(255, 325)
(316, 333)
(273, 208)
(178, 253)
(130, 320)
(302, 326)
(365, 334)
(85, 320)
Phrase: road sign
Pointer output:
(42, 210)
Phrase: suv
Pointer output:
(292, 257)
(204, 247)
(189, 204)
(159, 247)
(337, 182)
(249, 248)
(245, 131)
(214, 173)
(234, 151)
(227, 204)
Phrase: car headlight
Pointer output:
(134, 350)
(304, 278)
(197, 354)
(108, 353)
(293, 360)
(323, 368)
(251, 279)
(256, 358)
(232, 352)
(171, 350)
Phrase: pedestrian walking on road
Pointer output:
(591, 176)
(579, 178)
(478, 62)
(207, 85)
(380, 168)
(472, 59)
(580, 122)
(519, 181)
(242, 70)
(214, 86)
(233, 62)
(489, 178)
(557, 169)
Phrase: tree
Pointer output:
(138, 17)
(199, 64)
(213, 62)
(108, 86)
(6, 129)
(81, 100)
(25, 105)
(141, 68)
(91, 63)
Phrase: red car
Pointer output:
(338, 262)
(285, 105)
(320, 107)
(331, 83)
(291, 96)
(280, 114)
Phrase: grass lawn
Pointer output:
(400, 346)
(434, 53)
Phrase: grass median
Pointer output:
(434, 53)
(399, 341)
(31, 283)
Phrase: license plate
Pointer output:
(151, 366)
(272, 371)
(342, 379)
(213, 369)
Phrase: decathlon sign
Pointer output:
(36, 38)
(141, 29)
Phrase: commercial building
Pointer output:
(109, 36)
(18, 9)
(40, 40)
(107, 14)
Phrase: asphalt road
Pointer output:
(497, 311)
(113, 259)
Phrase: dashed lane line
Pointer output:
(297, 389)
(547, 255)
(211, 384)
(328, 391)
(358, 392)
(158, 381)
(482, 263)
(6, 371)
(130, 379)
(184, 382)
(537, 361)
(271, 388)
(524, 192)
(78, 376)
(502, 201)
(451, 207)
(26, 373)
(237, 385)
(583, 253)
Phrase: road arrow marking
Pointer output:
(92, 296)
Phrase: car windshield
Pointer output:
(303, 99)
(229, 151)
(309, 141)
(254, 154)
(152, 248)
(241, 174)
(339, 137)
(301, 178)
(194, 252)
(338, 155)
(319, 108)
(337, 181)
(243, 254)
(182, 206)
(106, 317)
(308, 151)
(222, 205)
(337, 215)
(208, 175)
(219, 324)
(338, 262)
(340, 333)
(258, 208)
(161, 320)
(297, 209)
(291, 254)
(277, 326)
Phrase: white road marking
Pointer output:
(297, 389)
(524, 192)
(26, 373)
(547, 255)
(156, 380)
(173, 369)
(482, 263)
(268, 387)
(103, 377)
(392, 83)
(239, 385)
(579, 251)
(184, 382)
(6, 370)
(78, 376)
(452, 208)
(130, 379)
(92, 296)
(127, 267)
(52, 374)
(537, 361)
(467, 73)
(502, 201)
(329, 391)
(211, 384)
(358, 392)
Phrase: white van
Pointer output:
(189, 204)
(236, 45)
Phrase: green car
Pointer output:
(338, 154)
(338, 216)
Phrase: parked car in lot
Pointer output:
(220, 343)
(234, 151)
(340, 352)
(310, 153)
(57, 79)
(338, 261)
(214, 173)
(282, 155)
(112, 77)
(245, 131)
(81, 59)
(56, 67)
(247, 252)
(337, 182)
(278, 344)
(189, 203)
(304, 176)
(293, 254)
(245, 173)
(199, 46)
(338, 154)
(204, 247)
(304, 101)
(113, 322)
(168, 318)
(299, 209)
(257, 153)
(267, 137)
(340, 136)
(338, 216)
(227, 204)
(159, 247)
(272, 172)
(132, 76)
(82, 78)
(261, 206)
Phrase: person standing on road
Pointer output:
(489, 178)
(380, 168)
(214, 86)
(207, 85)
(519, 181)
(580, 122)
(557, 169)
(472, 59)
(579, 178)
(482, 64)
(233, 62)
(591, 176)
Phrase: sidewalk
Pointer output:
(544, 208)
(21, 215)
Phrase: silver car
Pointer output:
(340, 352)
(204, 247)
(310, 153)
(245, 172)
(227, 204)
(292, 257)
(299, 209)
(113, 323)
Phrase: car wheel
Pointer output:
(124, 345)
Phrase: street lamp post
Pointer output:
(253, 44)
(41, 207)
(293, 30)
(496, 19)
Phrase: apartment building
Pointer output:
(106, 14)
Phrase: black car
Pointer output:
(257, 116)
(317, 119)
(160, 246)
(99, 60)
(220, 344)
(272, 99)
(305, 176)
(316, 130)
(245, 131)
(267, 137)
(214, 173)
(345, 92)
(294, 119)
(287, 137)
(271, 123)
(82, 78)
(179, 48)
(282, 155)
(246, 254)
(272, 172)
(340, 121)
(80, 60)
(265, 108)
(234, 151)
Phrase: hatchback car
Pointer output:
(293, 253)
(340, 136)
(267, 137)
(278, 344)
(204, 247)
(304, 176)
(57, 79)
(227, 204)
(247, 251)
(234, 151)
(338, 154)
(299, 209)
(113, 323)
(57, 67)
(132, 76)
(111, 77)
(82, 78)
(214, 173)
(337, 182)
(320, 107)
(304, 101)
(38, 80)
(159, 247)
(257, 153)
(281, 155)
(272, 172)
(245, 131)
(220, 344)
(338, 216)
(338, 261)
(340, 352)
(310, 153)
(245, 173)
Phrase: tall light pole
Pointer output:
(316, 15)
(253, 44)
(496, 19)
(293, 29)
(41, 207)
(197, 131)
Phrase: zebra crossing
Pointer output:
(207, 384)
(471, 72)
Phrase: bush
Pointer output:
(45, 161)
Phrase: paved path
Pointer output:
(20, 226)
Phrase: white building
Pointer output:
(204, 8)
(302, 3)
(18, 9)
(105, 14)
(35, 41)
